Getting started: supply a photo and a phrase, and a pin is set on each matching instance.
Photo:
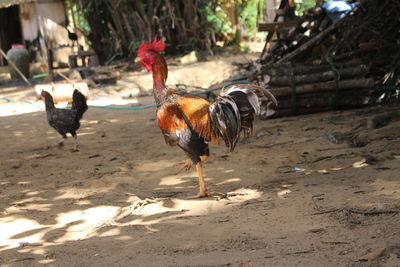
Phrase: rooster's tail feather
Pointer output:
(79, 103)
(234, 111)
(225, 120)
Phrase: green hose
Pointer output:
(138, 108)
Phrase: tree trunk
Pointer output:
(232, 12)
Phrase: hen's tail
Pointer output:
(79, 103)
(234, 111)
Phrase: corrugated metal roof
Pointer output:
(7, 3)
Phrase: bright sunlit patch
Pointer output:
(24, 182)
(82, 224)
(34, 193)
(18, 133)
(229, 171)
(106, 101)
(38, 207)
(283, 193)
(19, 108)
(14, 227)
(90, 121)
(82, 202)
(360, 164)
(86, 133)
(173, 180)
(46, 261)
(336, 169)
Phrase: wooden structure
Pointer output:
(37, 24)
(322, 65)
(283, 18)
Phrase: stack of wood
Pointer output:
(335, 65)
(302, 89)
(288, 39)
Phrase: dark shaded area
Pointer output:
(10, 30)
(119, 27)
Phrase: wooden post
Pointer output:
(270, 10)
(271, 34)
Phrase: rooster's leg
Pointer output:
(203, 192)
(61, 142)
(75, 148)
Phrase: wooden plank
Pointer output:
(342, 73)
(274, 26)
(323, 87)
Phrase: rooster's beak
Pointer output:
(137, 59)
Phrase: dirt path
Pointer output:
(288, 196)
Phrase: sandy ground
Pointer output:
(288, 196)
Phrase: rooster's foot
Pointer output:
(185, 165)
(201, 194)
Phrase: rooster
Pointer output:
(65, 120)
(191, 122)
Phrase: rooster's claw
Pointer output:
(186, 165)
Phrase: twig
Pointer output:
(335, 242)
(300, 252)
(65, 77)
(325, 211)
(372, 212)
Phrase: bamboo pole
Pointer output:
(15, 67)
(329, 75)
(324, 86)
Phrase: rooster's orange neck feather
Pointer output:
(160, 74)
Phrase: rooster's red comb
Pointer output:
(156, 46)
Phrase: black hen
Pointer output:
(66, 120)
(72, 36)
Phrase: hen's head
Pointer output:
(43, 94)
(148, 53)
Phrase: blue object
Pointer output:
(338, 9)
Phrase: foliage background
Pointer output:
(115, 28)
